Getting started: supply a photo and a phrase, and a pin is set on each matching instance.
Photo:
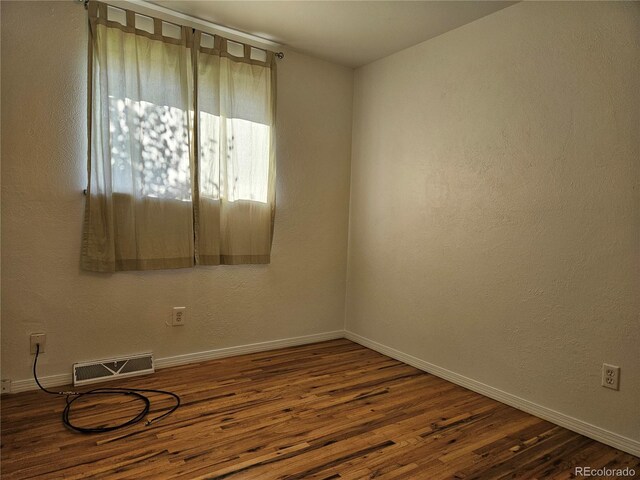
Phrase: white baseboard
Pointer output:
(49, 381)
(244, 349)
(623, 443)
(18, 386)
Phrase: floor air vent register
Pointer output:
(103, 370)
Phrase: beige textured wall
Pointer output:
(495, 205)
(88, 316)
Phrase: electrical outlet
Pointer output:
(179, 316)
(6, 386)
(610, 376)
(38, 338)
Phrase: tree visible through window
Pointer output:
(157, 136)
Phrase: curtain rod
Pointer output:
(199, 21)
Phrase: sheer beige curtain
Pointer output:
(236, 156)
(169, 188)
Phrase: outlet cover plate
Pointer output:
(38, 338)
(6, 386)
(179, 316)
(610, 376)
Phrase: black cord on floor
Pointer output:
(135, 393)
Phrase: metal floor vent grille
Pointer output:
(103, 370)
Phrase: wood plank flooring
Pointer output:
(331, 410)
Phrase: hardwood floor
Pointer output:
(331, 410)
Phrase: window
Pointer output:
(182, 154)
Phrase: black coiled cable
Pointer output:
(132, 392)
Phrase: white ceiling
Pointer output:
(351, 33)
